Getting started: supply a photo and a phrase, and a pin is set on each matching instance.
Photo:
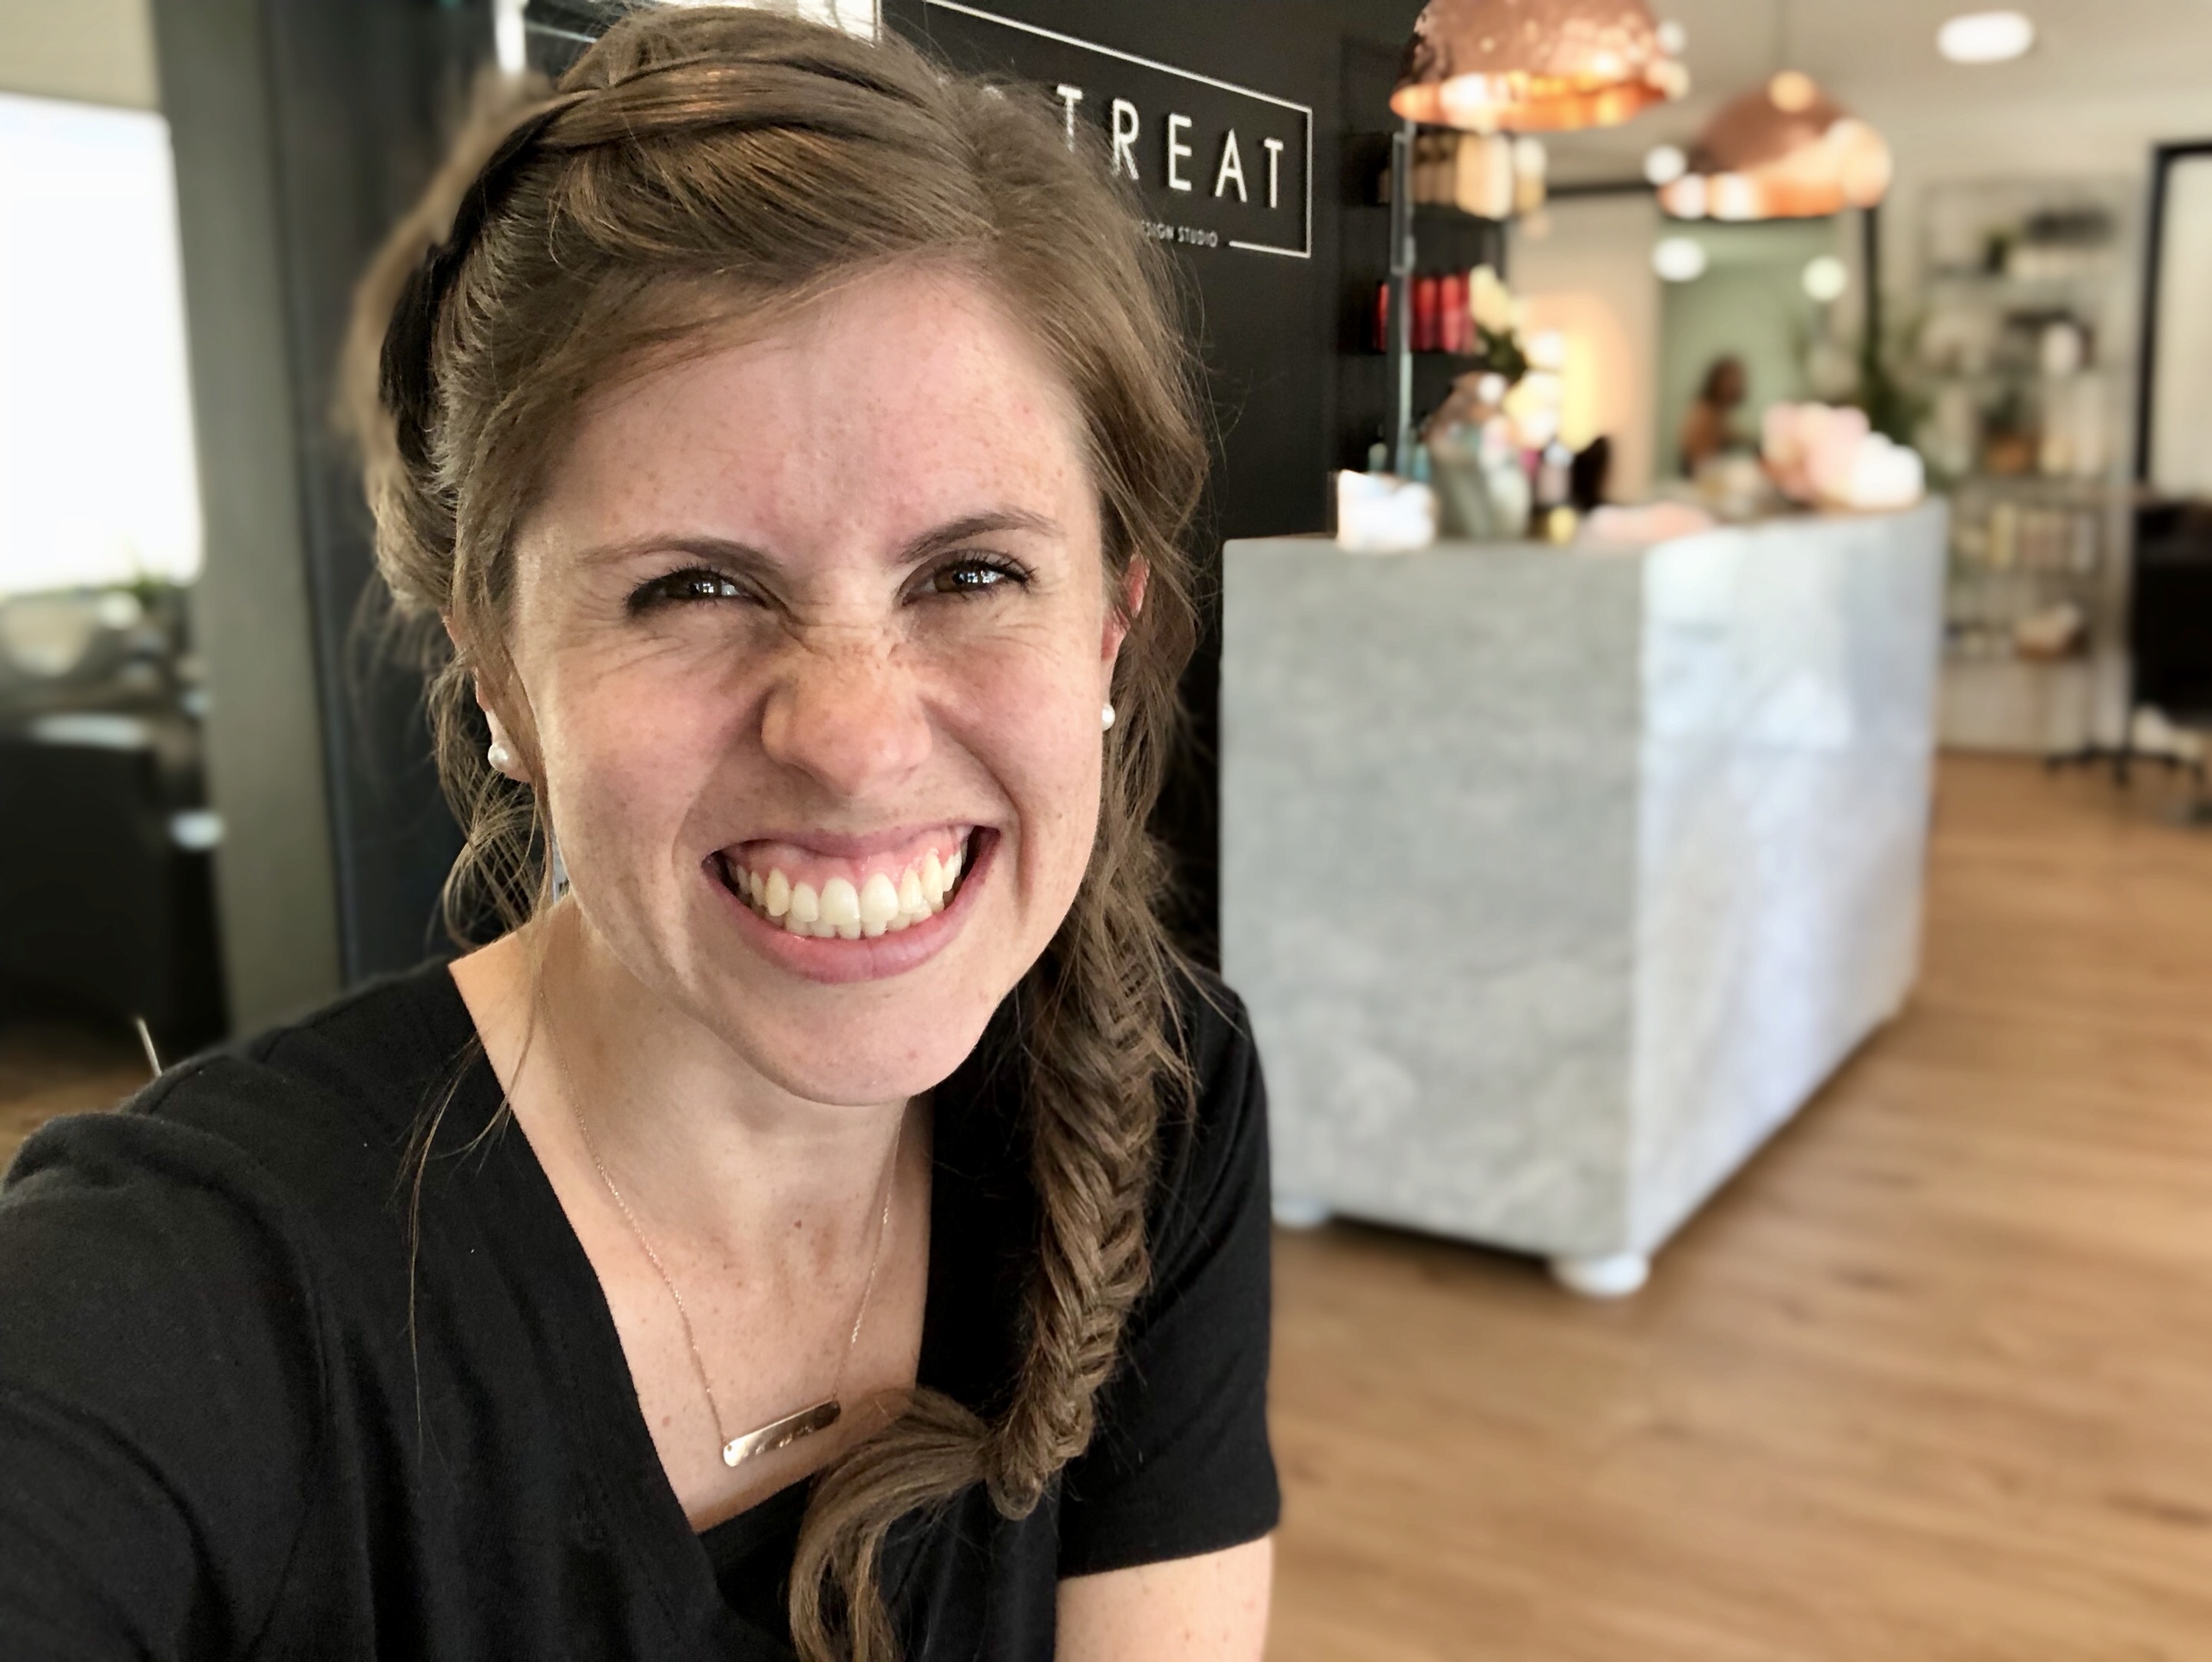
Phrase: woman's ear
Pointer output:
(500, 753)
(1119, 618)
(503, 755)
(1138, 579)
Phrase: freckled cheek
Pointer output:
(629, 757)
(1038, 737)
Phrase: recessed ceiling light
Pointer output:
(1678, 259)
(1985, 37)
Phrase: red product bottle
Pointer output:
(1426, 305)
(1382, 317)
(1455, 331)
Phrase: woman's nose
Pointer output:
(852, 717)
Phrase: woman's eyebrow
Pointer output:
(741, 558)
(954, 532)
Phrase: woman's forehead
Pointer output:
(903, 399)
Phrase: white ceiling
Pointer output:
(2106, 66)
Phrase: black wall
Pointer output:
(366, 96)
(352, 102)
(361, 95)
(1446, 238)
(1265, 323)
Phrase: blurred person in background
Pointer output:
(1708, 428)
(831, 1219)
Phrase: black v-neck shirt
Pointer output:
(233, 1423)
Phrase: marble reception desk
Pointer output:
(1556, 879)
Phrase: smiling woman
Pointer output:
(828, 1215)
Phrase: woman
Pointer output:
(829, 1217)
(1708, 430)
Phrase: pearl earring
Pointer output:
(499, 757)
(1105, 718)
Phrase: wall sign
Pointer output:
(1217, 166)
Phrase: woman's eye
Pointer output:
(697, 584)
(972, 576)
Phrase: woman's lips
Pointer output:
(870, 952)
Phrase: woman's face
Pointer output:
(813, 633)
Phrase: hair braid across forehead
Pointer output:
(406, 378)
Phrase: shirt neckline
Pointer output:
(602, 1421)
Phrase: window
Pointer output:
(97, 485)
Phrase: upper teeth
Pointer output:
(882, 904)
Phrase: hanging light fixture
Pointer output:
(1785, 150)
(1534, 65)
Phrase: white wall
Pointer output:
(99, 51)
(2108, 80)
(1590, 278)
(2105, 137)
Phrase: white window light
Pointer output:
(1678, 259)
(1986, 37)
(859, 17)
(97, 481)
(509, 40)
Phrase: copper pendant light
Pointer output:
(1534, 66)
(1785, 150)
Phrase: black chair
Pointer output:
(106, 890)
(104, 898)
(2170, 625)
(2170, 615)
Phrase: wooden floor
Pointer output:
(1931, 1379)
(51, 1065)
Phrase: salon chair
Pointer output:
(107, 892)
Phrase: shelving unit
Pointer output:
(1444, 239)
(2020, 547)
(2025, 552)
(2023, 352)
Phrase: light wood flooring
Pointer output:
(52, 1065)
(1932, 1378)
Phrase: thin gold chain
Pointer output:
(676, 1297)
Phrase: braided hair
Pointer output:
(703, 171)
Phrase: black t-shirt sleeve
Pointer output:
(156, 1383)
(1180, 1463)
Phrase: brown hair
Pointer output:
(705, 168)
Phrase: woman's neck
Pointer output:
(697, 1139)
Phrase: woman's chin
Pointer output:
(838, 1067)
